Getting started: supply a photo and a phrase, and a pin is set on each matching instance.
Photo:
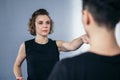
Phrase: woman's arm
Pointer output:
(20, 58)
(73, 45)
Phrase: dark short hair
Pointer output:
(104, 12)
(31, 24)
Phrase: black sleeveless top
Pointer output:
(40, 59)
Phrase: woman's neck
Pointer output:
(41, 39)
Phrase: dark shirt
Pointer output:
(40, 59)
(87, 66)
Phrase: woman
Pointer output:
(41, 53)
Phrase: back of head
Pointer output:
(104, 12)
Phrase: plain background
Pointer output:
(14, 16)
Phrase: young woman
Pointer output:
(41, 53)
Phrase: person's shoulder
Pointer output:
(29, 41)
(75, 59)
(66, 67)
(51, 39)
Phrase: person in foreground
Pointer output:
(41, 53)
(102, 61)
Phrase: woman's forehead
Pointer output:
(42, 18)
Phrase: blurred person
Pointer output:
(102, 61)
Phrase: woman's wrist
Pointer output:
(19, 78)
(81, 40)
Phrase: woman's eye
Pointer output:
(40, 22)
(48, 22)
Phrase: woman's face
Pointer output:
(42, 25)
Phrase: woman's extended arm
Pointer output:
(73, 45)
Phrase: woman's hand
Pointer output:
(85, 39)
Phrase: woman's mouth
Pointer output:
(45, 30)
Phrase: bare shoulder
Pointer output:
(22, 46)
(22, 49)
(59, 44)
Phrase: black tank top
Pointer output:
(40, 58)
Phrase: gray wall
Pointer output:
(14, 15)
